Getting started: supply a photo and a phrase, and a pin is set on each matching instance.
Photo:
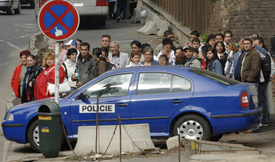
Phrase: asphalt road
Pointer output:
(15, 34)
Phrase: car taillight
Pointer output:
(41, 2)
(244, 100)
(102, 2)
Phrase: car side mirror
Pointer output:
(82, 96)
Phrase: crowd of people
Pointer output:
(248, 60)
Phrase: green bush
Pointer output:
(204, 37)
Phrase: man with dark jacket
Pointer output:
(85, 66)
(250, 64)
(266, 70)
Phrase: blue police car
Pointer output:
(202, 104)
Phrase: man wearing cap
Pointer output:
(71, 44)
(191, 60)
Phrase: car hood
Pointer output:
(29, 108)
(30, 104)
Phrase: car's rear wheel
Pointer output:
(18, 10)
(192, 127)
(33, 136)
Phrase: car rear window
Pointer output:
(215, 77)
(153, 83)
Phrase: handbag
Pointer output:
(64, 87)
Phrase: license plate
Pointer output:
(255, 99)
(75, 1)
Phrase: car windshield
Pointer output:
(215, 77)
(71, 93)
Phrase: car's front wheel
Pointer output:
(33, 136)
(192, 127)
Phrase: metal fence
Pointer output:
(194, 14)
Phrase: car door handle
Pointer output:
(122, 105)
(177, 101)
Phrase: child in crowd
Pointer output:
(210, 40)
(135, 60)
(195, 52)
(203, 56)
(163, 60)
(196, 44)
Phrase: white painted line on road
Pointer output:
(30, 30)
(25, 35)
(27, 26)
(5, 64)
(9, 62)
(1, 40)
(14, 46)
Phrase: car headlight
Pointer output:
(9, 117)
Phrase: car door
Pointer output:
(114, 100)
(157, 97)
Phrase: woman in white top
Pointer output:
(69, 66)
(167, 50)
(135, 60)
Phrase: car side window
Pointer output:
(180, 84)
(150, 83)
(117, 85)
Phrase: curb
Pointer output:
(11, 102)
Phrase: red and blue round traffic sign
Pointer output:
(58, 19)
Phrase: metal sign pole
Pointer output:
(56, 95)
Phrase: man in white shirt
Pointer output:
(117, 57)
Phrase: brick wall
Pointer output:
(244, 17)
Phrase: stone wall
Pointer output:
(244, 17)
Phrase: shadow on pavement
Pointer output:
(24, 149)
(27, 7)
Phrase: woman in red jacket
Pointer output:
(18, 76)
(47, 75)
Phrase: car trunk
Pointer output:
(251, 92)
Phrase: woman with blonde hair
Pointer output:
(232, 58)
(47, 76)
